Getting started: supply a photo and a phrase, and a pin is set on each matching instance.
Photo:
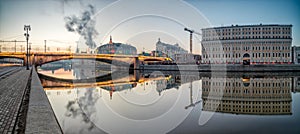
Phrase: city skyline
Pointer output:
(141, 31)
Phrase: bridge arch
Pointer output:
(13, 57)
(41, 62)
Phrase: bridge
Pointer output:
(107, 80)
(40, 58)
(122, 81)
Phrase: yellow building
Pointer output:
(265, 44)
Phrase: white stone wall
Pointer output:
(264, 43)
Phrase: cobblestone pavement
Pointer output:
(12, 89)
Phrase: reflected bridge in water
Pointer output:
(247, 93)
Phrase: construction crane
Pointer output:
(192, 103)
(13, 41)
(191, 37)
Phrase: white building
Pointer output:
(265, 44)
(258, 96)
(169, 49)
(296, 84)
(296, 54)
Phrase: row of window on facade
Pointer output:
(248, 33)
(254, 106)
(275, 93)
(266, 104)
(258, 55)
(246, 48)
(259, 109)
(245, 37)
(254, 84)
(263, 42)
(254, 55)
(205, 31)
(256, 102)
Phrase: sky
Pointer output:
(137, 22)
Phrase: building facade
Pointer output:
(187, 58)
(169, 49)
(259, 96)
(296, 84)
(116, 48)
(296, 54)
(265, 44)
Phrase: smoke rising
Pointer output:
(83, 25)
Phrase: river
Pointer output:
(87, 99)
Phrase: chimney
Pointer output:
(110, 40)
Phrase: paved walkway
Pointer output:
(40, 116)
(12, 89)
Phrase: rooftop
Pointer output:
(257, 25)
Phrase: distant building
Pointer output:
(187, 58)
(264, 44)
(158, 54)
(116, 48)
(296, 54)
(169, 49)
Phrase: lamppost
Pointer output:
(29, 54)
(45, 46)
(27, 28)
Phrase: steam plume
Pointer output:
(83, 25)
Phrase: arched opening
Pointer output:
(246, 59)
(246, 81)
(11, 61)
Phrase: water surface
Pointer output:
(176, 102)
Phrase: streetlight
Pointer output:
(29, 54)
(27, 28)
(45, 45)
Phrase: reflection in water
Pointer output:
(248, 95)
(75, 69)
(164, 100)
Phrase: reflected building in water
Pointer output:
(166, 83)
(296, 84)
(259, 96)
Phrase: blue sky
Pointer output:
(140, 22)
(228, 12)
